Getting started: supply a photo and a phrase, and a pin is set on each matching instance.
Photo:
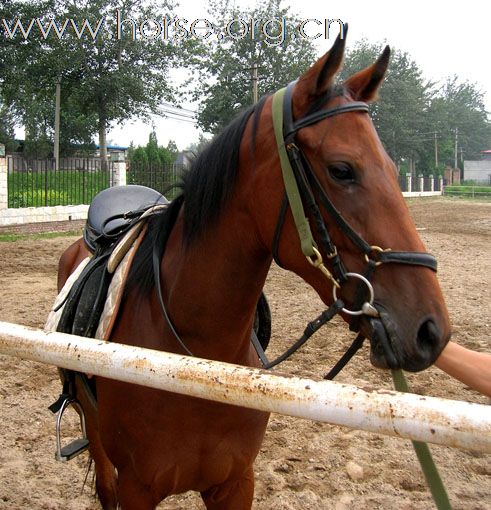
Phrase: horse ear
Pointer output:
(319, 78)
(364, 85)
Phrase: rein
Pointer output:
(301, 188)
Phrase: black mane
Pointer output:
(205, 189)
(210, 181)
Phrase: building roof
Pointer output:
(114, 147)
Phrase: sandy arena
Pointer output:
(302, 465)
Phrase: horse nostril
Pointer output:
(428, 337)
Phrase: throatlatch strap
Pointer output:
(305, 234)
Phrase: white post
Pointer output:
(3, 179)
(405, 415)
(421, 183)
(432, 183)
(118, 168)
(409, 182)
(440, 182)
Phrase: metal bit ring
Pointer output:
(367, 305)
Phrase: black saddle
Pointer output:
(113, 210)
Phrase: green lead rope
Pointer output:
(423, 453)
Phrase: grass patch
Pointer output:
(11, 238)
(468, 192)
(467, 189)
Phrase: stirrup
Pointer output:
(76, 447)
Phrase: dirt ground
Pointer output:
(302, 464)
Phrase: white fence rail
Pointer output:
(421, 418)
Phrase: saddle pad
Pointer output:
(114, 294)
(57, 309)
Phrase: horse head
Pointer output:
(363, 238)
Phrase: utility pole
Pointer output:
(56, 149)
(254, 84)
(436, 150)
(456, 146)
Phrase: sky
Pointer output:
(442, 39)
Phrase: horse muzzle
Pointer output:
(392, 349)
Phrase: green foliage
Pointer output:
(10, 238)
(152, 154)
(7, 122)
(152, 150)
(107, 80)
(403, 97)
(139, 156)
(468, 189)
(172, 149)
(37, 198)
(226, 65)
(460, 105)
(104, 79)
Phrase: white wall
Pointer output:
(479, 171)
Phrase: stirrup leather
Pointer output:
(77, 446)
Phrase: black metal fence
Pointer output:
(37, 183)
(426, 184)
(158, 177)
(403, 182)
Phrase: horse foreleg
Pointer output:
(236, 494)
(106, 479)
(132, 494)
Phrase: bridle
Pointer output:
(302, 187)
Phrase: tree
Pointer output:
(113, 71)
(457, 112)
(152, 150)
(152, 154)
(227, 63)
(400, 112)
(7, 123)
(139, 157)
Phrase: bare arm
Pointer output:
(470, 367)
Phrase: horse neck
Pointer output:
(214, 284)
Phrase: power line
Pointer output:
(177, 114)
(171, 116)
(178, 108)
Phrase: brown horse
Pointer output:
(217, 255)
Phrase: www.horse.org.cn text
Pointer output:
(271, 31)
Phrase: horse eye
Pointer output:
(342, 172)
